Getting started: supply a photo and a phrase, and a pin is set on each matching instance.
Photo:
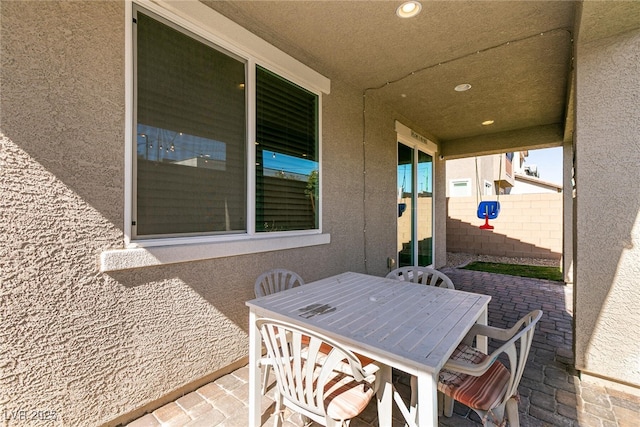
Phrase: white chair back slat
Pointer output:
(276, 280)
(424, 275)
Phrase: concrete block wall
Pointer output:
(529, 225)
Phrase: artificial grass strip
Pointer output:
(533, 271)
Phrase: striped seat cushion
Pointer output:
(344, 398)
(483, 392)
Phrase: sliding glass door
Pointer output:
(415, 206)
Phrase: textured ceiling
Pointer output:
(517, 55)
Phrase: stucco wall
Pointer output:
(607, 257)
(92, 346)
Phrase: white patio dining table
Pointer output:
(407, 326)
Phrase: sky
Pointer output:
(289, 164)
(549, 162)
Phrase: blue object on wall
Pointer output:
(401, 208)
(488, 210)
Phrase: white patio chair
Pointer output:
(276, 280)
(482, 382)
(329, 388)
(425, 275)
(269, 282)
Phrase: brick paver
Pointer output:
(551, 393)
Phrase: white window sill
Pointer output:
(138, 257)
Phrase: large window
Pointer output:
(193, 148)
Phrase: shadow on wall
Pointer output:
(465, 237)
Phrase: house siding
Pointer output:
(92, 346)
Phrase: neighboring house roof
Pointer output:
(531, 180)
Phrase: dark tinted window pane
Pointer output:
(191, 155)
(286, 155)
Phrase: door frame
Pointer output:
(417, 142)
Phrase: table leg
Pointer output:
(482, 342)
(427, 399)
(385, 396)
(255, 398)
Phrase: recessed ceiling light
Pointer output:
(409, 9)
(462, 87)
(487, 122)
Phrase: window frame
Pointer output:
(203, 22)
(488, 188)
(134, 182)
(453, 182)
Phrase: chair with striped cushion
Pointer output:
(329, 388)
(484, 383)
(425, 275)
